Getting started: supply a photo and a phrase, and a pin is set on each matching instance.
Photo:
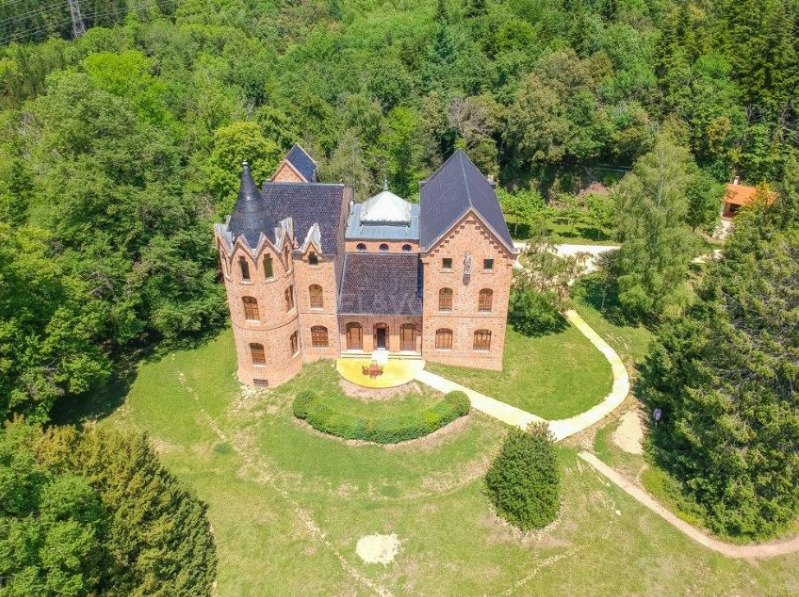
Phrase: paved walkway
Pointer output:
(562, 428)
(731, 550)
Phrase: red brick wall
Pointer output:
(369, 321)
(323, 274)
(469, 235)
(275, 324)
(286, 173)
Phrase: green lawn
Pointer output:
(554, 376)
(631, 342)
(288, 505)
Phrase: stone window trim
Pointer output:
(482, 341)
(258, 354)
(316, 296)
(244, 267)
(269, 268)
(445, 300)
(319, 337)
(485, 302)
(251, 312)
(444, 339)
(288, 296)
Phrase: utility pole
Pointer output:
(78, 28)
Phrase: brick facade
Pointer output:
(469, 236)
(291, 334)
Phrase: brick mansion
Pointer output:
(310, 274)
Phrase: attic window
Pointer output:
(406, 248)
(384, 247)
(313, 259)
(446, 263)
(361, 247)
(488, 264)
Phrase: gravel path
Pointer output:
(731, 550)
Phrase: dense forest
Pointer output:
(119, 148)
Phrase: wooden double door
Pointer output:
(408, 337)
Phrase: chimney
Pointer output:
(491, 181)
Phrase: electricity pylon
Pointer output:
(78, 28)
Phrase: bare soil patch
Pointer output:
(378, 549)
(629, 435)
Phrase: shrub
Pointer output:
(524, 481)
(383, 430)
(533, 313)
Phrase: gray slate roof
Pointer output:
(456, 187)
(362, 231)
(308, 203)
(252, 214)
(302, 162)
(381, 284)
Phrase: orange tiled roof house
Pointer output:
(738, 196)
(312, 275)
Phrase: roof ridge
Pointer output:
(302, 149)
(441, 167)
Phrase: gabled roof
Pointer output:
(455, 188)
(738, 194)
(386, 208)
(381, 284)
(302, 162)
(308, 204)
(252, 214)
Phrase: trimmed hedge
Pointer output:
(383, 430)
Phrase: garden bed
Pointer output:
(384, 428)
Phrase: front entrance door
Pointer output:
(381, 336)
(408, 337)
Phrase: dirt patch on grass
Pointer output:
(378, 549)
(629, 434)
(377, 394)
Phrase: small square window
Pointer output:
(446, 263)
(488, 264)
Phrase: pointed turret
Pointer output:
(252, 215)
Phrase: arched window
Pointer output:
(445, 299)
(250, 308)
(258, 354)
(354, 336)
(245, 269)
(383, 247)
(319, 336)
(269, 270)
(486, 302)
(443, 339)
(289, 296)
(313, 259)
(361, 247)
(482, 340)
(406, 248)
(295, 343)
(316, 296)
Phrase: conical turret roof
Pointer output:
(252, 214)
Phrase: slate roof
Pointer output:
(456, 187)
(252, 214)
(357, 230)
(302, 162)
(381, 284)
(307, 204)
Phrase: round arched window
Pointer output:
(406, 248)
(384, 247)
(361, 247)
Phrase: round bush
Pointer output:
(382, 430)
(524, 480)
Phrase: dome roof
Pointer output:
(386, 208)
